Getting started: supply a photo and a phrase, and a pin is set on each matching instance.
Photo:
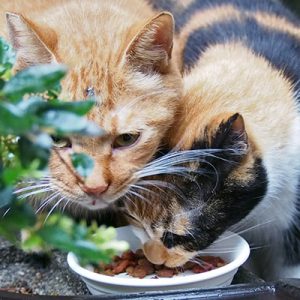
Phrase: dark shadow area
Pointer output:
(294, 5)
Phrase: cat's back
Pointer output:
(265, 27)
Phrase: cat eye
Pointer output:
(61, 142)
(125, 140)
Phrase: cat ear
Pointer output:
(229, 133)
(151, 49)
(29, 46)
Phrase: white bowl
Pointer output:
(236, 252)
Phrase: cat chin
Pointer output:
(93, 205)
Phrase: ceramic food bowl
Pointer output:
(236, 252)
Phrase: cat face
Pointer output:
(228, 181)
(136, 85)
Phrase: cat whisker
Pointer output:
(143, 189)
(159, 183)
(157, 187)
(200, 262)
(191, 234)
(35, 193)
(32, 182)
(52, 209)
(47, 201)
(131, 202)
(6, 212)
(243, 231)
(28, 188)
(138, 195)
(216, 252)
(66, 204)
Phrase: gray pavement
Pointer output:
(24, 272)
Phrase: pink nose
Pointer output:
(95, 191)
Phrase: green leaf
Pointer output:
(18, 217)
(86, 250)
(80, 108)
(32, 242)
(13, 120)
(56, 237)
(36, 79)
(83, 164)
(63, 123)
(12, 174)
(38, 105)
(32, 150)
(7, 57)
(5, 197)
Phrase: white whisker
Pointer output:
(47, 201)
(34, 193)
(64, 207)
(6, 212)
(28, 188)
(52, 209)
(243, 231)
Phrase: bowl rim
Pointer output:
(137, 282)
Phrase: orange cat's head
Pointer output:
(130, 72)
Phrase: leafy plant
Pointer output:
(27, 122)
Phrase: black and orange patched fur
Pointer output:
(240, 115)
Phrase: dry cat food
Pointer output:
(136, 264)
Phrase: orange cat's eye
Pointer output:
(61, 142)
(125, 140)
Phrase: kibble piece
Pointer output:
(109, 272)
(140, 253)
(198, 269)
(121, 266)
(158, 267)
(165, 272)
(129, 270)
(128, 255)
(139, 272)
(144, 262)
(189, 265)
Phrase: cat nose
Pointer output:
(95, 191)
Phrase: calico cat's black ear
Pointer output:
(230, 133)
(27, 42)
(151, 48)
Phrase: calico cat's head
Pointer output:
(229, 180)
(136, 84)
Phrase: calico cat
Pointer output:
(118, 51)
(240, 114)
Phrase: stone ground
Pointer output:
(36, 274)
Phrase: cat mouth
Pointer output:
(95, 204)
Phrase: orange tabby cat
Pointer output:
(118, 51)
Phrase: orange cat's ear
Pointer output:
(28, 44)
(151, 49)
